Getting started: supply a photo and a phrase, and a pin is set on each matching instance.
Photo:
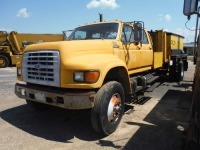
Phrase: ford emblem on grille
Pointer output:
(37, 66)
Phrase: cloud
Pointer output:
(166, 30)
(103, 4)
(166, 18)
(23, 13)
(189, 35)
(185, 32)
(6, 29)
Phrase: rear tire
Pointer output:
(108, 108)
(177, 75)
(180, 73)
(37, 105)
(172, 73)
(4, 61)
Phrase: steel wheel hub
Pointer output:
(114, 108)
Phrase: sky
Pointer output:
(55, 16)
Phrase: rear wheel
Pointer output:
(108, 108)
(172, 73)
(177, 75)
(180, 73)
(4, 61)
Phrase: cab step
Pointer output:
(152, 79)
(139, 83)
(152, 87)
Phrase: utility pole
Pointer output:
(193, 136)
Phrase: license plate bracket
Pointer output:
(40, 96)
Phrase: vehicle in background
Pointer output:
(12, 45)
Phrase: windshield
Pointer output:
(95, 31)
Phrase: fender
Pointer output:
(101, 62)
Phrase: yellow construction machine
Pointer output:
(12, 45)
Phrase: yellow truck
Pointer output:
(100, 67)
(12, 45)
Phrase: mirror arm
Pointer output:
(124, 35)
(195, 36)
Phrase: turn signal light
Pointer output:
(91, 76)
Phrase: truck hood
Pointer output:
(76, 54)
(75, 47)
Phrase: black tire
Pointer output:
(180, 73)
(177, 75)
(37, 105)
(108, 108)
(185, 64)
(4, 61)
(172, 73)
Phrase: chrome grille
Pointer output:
(42, 67)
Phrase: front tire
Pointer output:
(4, 61)
(108, 108)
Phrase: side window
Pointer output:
(96, 35)
(144, 38)
(80, 35)
(127, 34)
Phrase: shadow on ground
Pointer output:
(166, 124)
(164, 129)
(54, 124)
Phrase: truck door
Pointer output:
(131, 50)
(146, 51)
(137, 55)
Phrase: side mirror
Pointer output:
(190, 7)
(138, 32)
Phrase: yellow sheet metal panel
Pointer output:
(3, 36)
(165, 57)
(21, 40)
(174, 42)
(158, 40)
(158, 60)
(15, 59)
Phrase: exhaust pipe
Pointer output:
(100, 17)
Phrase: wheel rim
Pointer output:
(182, 71)
(114, 108)
(2, 62)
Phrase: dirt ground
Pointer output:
(156, 121)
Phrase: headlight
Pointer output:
(79, 76)
(86, 76)
(19, 72)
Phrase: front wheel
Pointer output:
(108, 108)
(4, 61)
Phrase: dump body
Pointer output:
(167, 47)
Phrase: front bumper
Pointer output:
(56, 96)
